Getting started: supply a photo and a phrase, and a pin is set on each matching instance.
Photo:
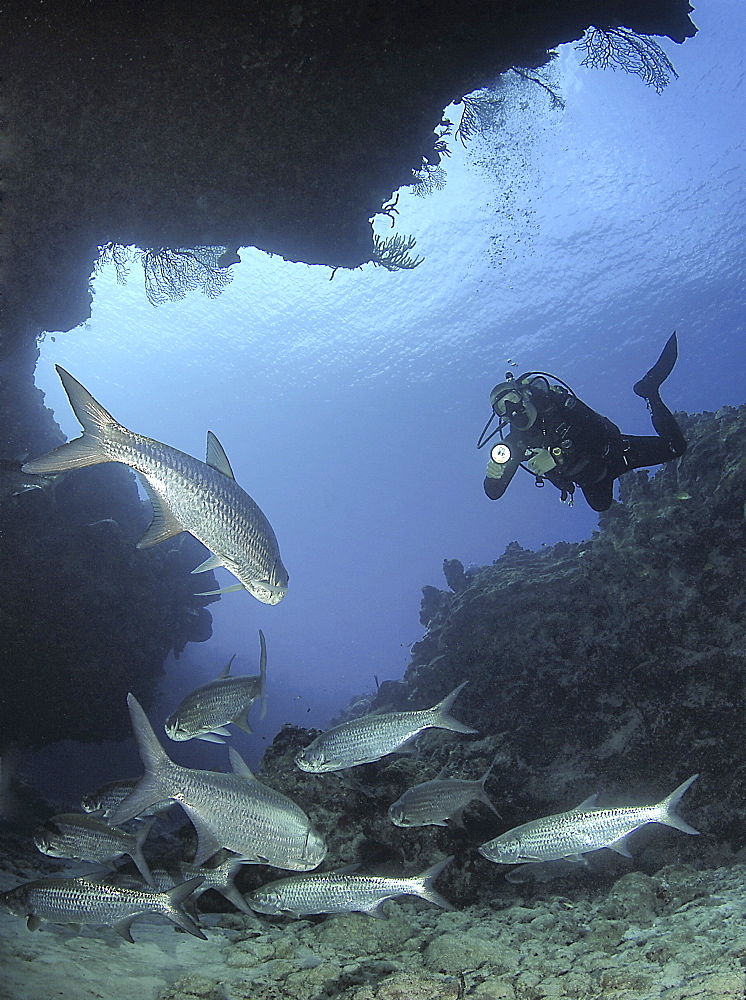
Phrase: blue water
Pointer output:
(571, 241)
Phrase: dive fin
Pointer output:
(86, 449)
(651, 382)
(441, 717)
(164, 525)
(216, 456)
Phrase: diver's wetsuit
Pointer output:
(571, 445)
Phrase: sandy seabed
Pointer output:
(678, 935)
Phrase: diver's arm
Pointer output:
(500, 473)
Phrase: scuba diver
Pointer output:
(556, 437)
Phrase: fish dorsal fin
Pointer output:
(589, 803)
(227, 668)
(216, 456)
(164, 525)
(239, 765)
(442, 773)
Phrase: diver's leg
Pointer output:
(651, 382)
(645, 450)
(599, 495)
(664, 421)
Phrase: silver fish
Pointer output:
(219, 875)
(332, 892)
(235, 811)
(202, 498)
(86, 838)
(205, 713)
(89, 901)
(105, 799)
(371, 737)
(583, 829)
(432, 803)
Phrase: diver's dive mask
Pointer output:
(512, 404)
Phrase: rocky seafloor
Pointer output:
(615, 665)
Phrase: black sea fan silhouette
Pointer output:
(624, 49)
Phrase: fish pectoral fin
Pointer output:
(223, 590)
(207, 843)
(377, 911)
(164, 525)
(216, 456)
(456, 820)
(123, 928)
(575, 858)
(212, 562)
(410, 745)
(212, 738)
(620, 847)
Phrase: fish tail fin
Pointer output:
(489, 770)
(87, 449)
(136, 853)
(263, 673)
(667, 808)
(484, 797)
(153, 786)
(423, 885)
(173, 908)
(441, 714)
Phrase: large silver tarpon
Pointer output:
(373, 736)
(259, 824)
(338, 892)
(202, 498)
(583, 829)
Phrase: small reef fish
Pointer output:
(371, 737)
(14, 482)
(206, 711)
(85, 838)
(88, 901)
(259, 824)
(583, 829)
(434, 802)
(105, 799)
(202, 498)
(332, 892)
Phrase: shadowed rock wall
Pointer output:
(86, 617)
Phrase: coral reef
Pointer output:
(613, 665)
